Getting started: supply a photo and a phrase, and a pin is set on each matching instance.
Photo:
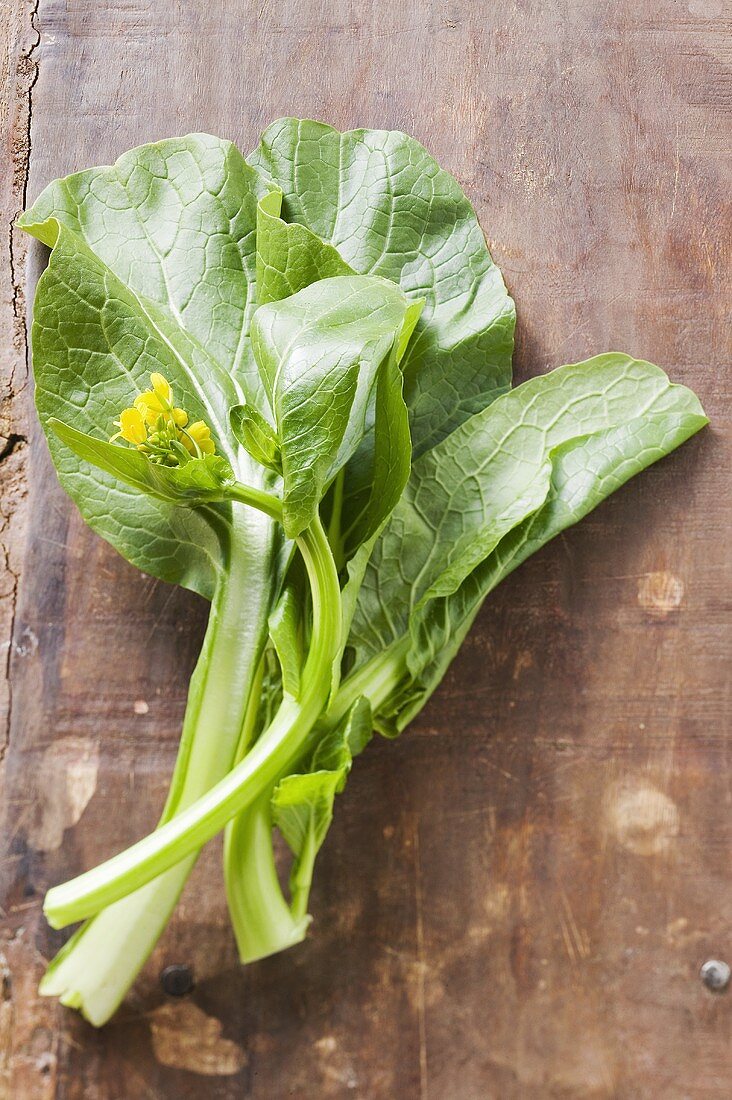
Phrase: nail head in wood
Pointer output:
(715, 974)
(177, 980)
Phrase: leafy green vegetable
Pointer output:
(328, 450)
(320, 353)
(302, 804)
(536, 460)
(382, 201)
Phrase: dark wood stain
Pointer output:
(516, 897)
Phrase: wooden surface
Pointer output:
(516, 898)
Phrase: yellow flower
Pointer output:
(162, 389)
(158, 401)
(158, 428)
(149, 406)
(131, 427)
(198, 435)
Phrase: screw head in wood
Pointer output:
(177, 980)
(715, 974)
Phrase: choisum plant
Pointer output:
(284, 382)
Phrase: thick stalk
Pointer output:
(275, 751)
(263, 920)
(99, 963)
(260, 915)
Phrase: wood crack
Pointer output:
(22, 41)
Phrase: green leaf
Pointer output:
(378, 472)
(289, 256)
(152, 269)
(175, 221)
(284, 630)
(338, 749)
(584, 472)
(256, 435)
(503, 473)
(321, 353)
(302, 804)
(95, 343)
(388, 209)
(199, 481)
(302, 808)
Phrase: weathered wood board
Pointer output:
(516, 898)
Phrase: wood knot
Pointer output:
(641, 818)
(659, 594)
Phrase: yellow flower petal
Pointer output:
(132, 426)
(180, 416)
(150, 406)
(198, 435)
(162, 388)
(200, 431)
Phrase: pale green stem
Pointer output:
(302, 879)
(94, 970)
(262, 920)
(271, 756)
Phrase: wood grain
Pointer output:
(516, 898)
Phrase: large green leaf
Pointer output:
(153, 269)
(500, 486)
(175, 221)
(584, 472)
(322, 352)
(95, 343)
(383, 202)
